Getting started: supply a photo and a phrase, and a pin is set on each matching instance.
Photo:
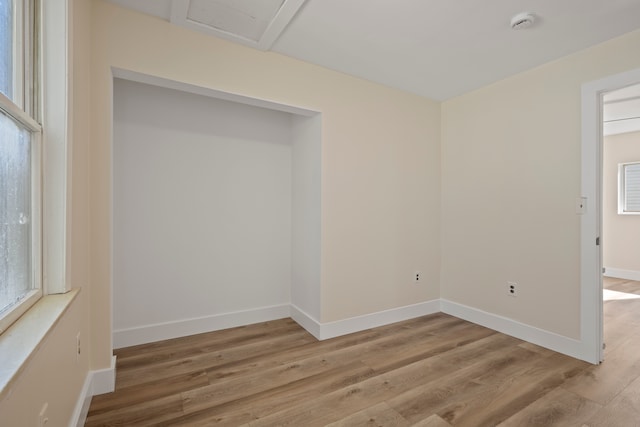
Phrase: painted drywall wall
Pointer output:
(306, 209)
(202, 206)
(380, 161)
(511, 174)
(621, 233)
(53, 375)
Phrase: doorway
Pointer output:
(620, 214)
(592, 306)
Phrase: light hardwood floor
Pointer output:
(433, 371)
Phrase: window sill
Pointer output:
(21, 341)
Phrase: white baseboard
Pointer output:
(622, 274)
(104, 380)
(306, 321)
(323, 331)
(81, 410)
(168, 330)
(550, 340)
(96, 382)
(185, 327)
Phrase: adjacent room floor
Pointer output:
(432, 371)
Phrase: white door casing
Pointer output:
(591, 304)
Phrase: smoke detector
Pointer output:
(522, 20)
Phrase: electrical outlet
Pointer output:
(512, 289)
(78, 347)
(417, 277)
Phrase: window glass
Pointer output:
(20, 174)
(15, 213)
(631, 187)
(6, 48)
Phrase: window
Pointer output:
(20, 169)
(629, 188)
(6, 44)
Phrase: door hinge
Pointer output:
(597, 241)
(604, 345)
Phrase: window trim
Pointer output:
(622, 193)
(21, 110)
(28, 333)
(53, 108)
(55, 23)
(20, 27)
(20, 116)
(56, 38)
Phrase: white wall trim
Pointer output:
(619, 273)
(82, 405)
(322, 331)
(306, 321)
(550, 340)
(96, 382)
(185, 327)
(373, 320)
(213, 93)
(57, 120)
(104, 380)
(590, 223)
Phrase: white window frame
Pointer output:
(56, 120)
(23, 109)
(18, 55)
(622, 189)
(50, 192)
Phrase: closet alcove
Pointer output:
(216, 210)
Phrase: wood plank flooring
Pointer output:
(434, 371)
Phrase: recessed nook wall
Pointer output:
(380, 185)
(306, 219)
(203, 205)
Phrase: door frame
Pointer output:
(591, 304)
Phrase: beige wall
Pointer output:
(380, 161)
(511, 174)
(621, 241)
(52, 375)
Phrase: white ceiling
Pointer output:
(435, 48)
